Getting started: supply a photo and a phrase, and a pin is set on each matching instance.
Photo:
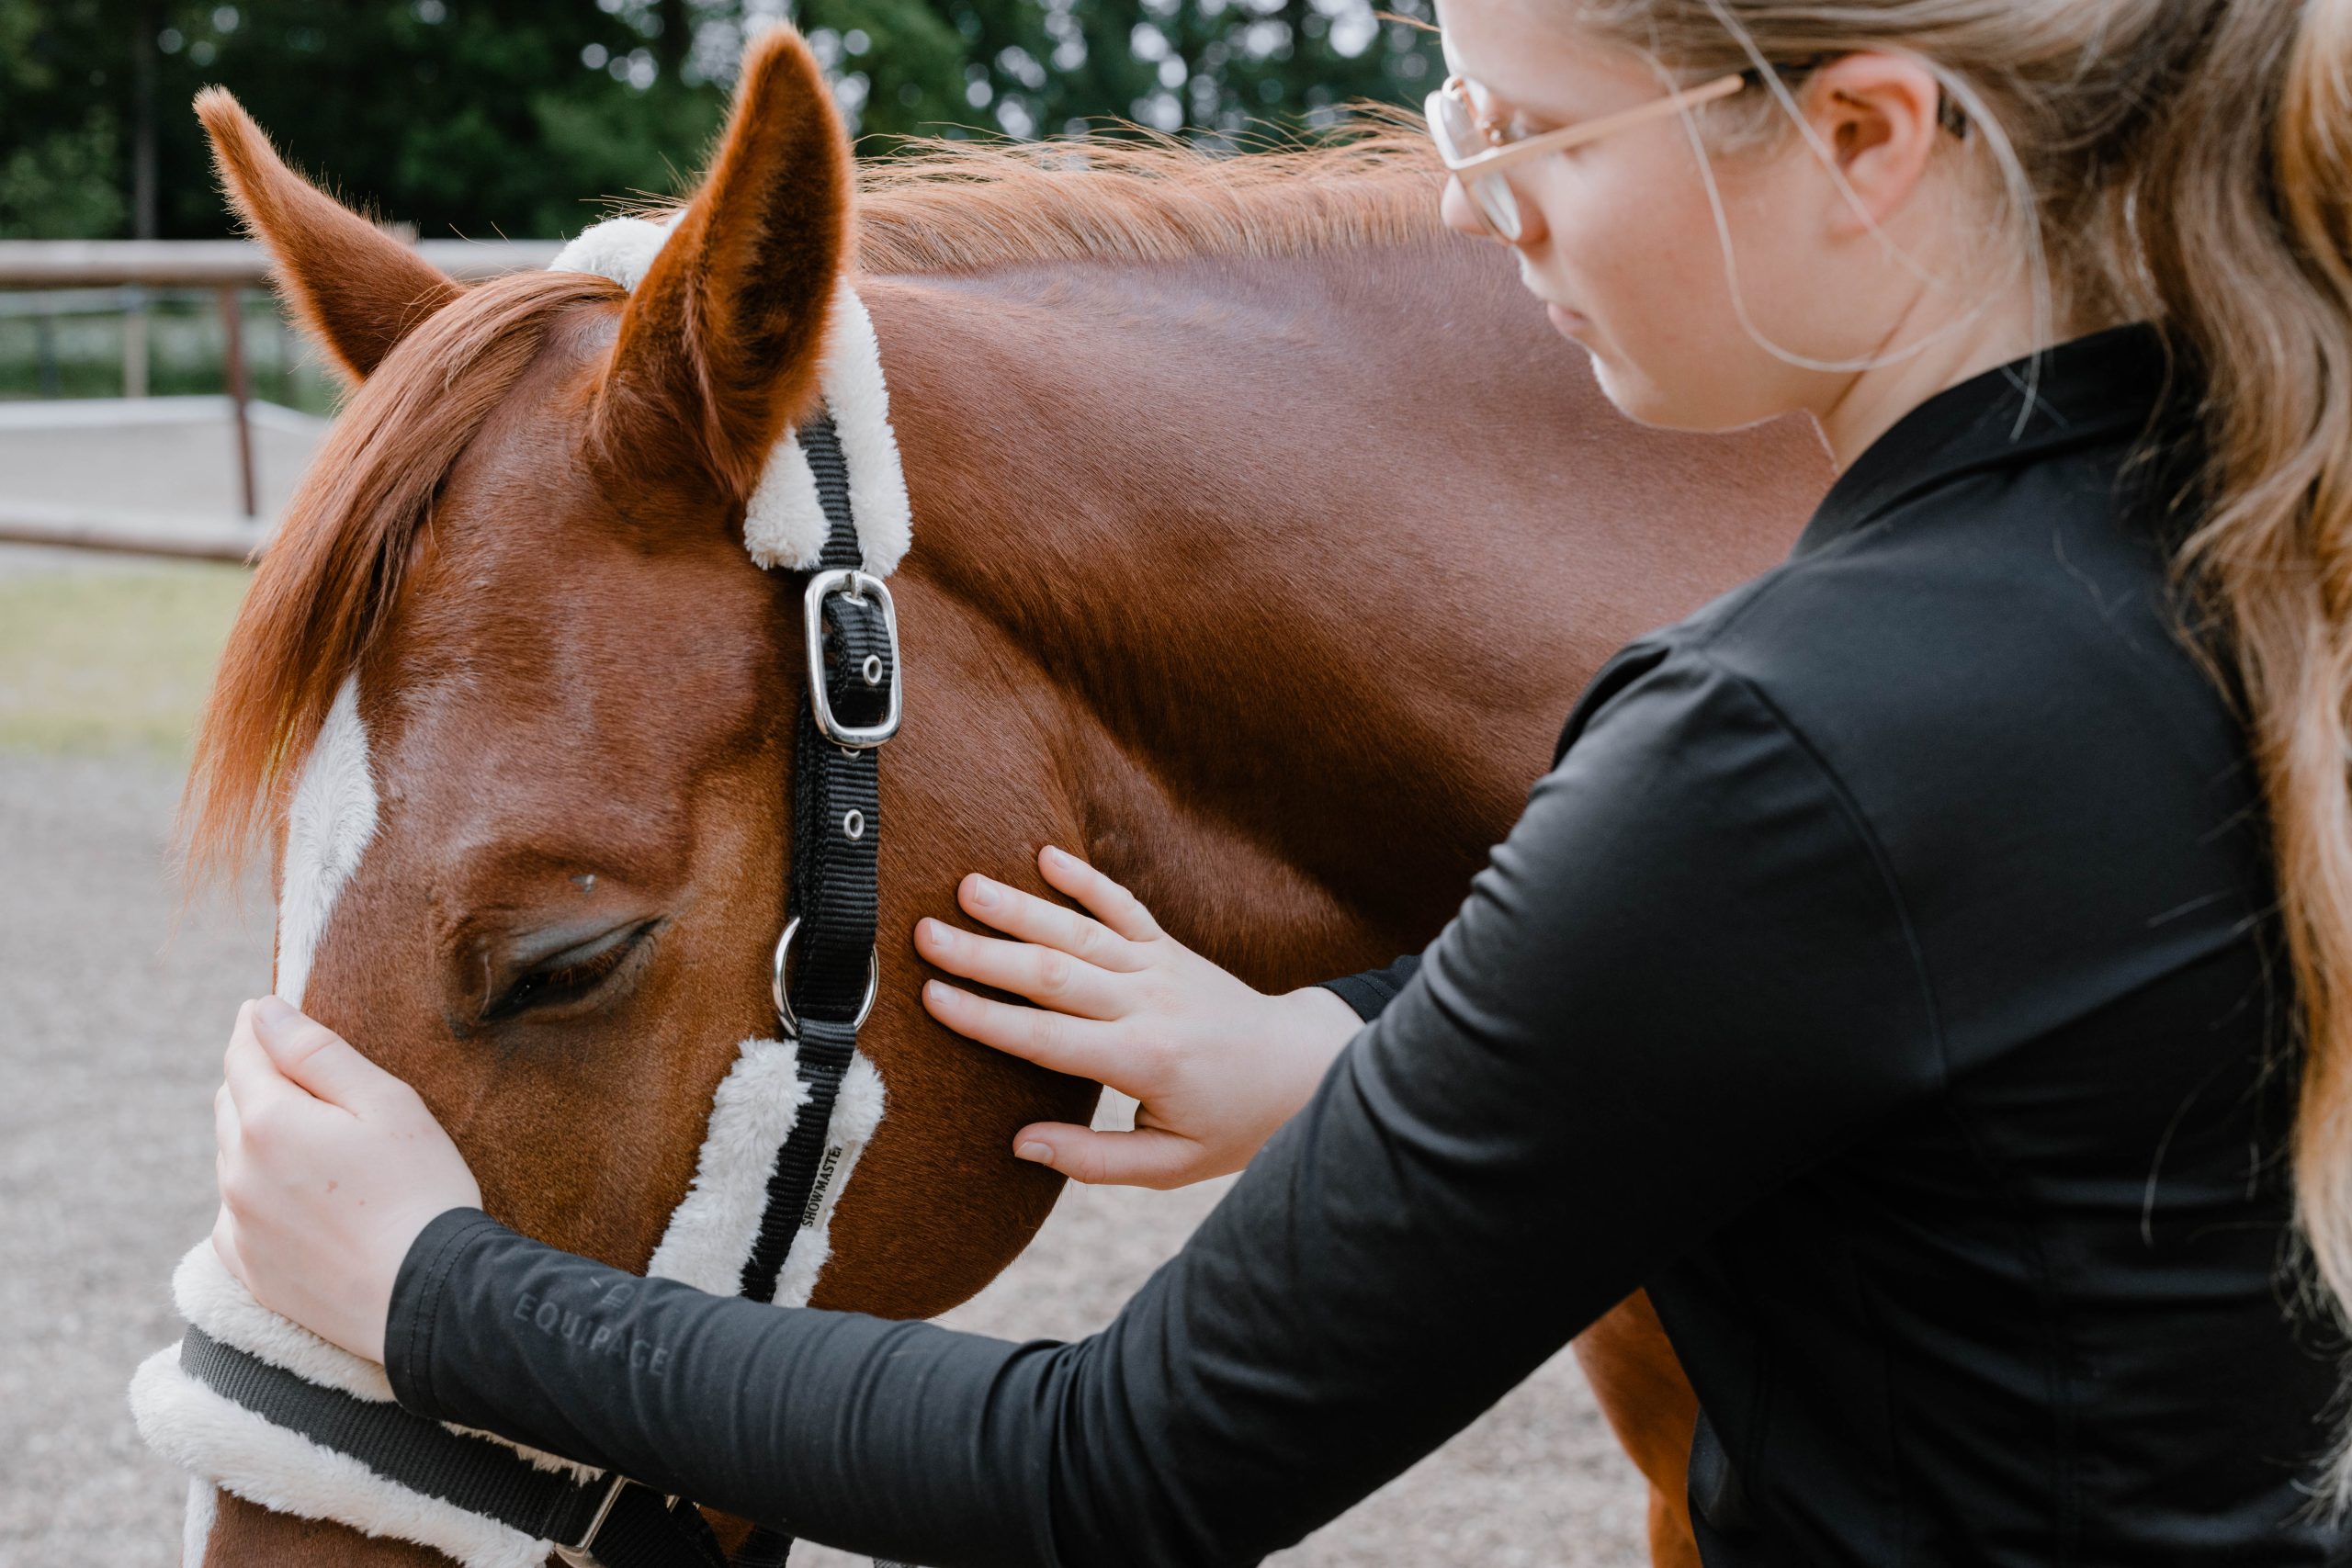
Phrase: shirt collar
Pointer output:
(2090, 388)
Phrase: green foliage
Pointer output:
(63, 164)
(518, 117)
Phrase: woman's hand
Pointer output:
(1216, 1065)
(329, 1167)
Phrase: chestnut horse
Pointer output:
(1263, 535)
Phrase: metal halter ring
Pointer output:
(784, 1003)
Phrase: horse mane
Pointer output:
(938, 206)
(335, 565)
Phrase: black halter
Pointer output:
(826, 978)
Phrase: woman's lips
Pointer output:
(1571, 322)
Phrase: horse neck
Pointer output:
(1269, 535)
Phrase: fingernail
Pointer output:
(1036, 1153)
(1057, 859)
(932, 992)
(983, 892)
(930, 932)
(271, 1015)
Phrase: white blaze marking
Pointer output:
(328, 825)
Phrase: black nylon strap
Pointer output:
(472, 1473)
(835, 892)
(792, 1194)
(420, 1454)
(835, 878)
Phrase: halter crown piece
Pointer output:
(254, 1403)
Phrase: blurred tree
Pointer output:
(521, 116)
(65, 163)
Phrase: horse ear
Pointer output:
(358, 289)
(718, 345)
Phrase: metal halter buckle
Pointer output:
(858, 585)
(576, 1555)
(784, 1003)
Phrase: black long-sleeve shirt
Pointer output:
(1884, 976)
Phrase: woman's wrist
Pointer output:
(410, 1315)
(1319, 1016)
(1313, 1025)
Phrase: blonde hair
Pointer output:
(2179, 161)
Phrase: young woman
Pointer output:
(1925, 969)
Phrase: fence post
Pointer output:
(45, 377)
(232, 327)
(134, 340)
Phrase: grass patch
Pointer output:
(104, 662)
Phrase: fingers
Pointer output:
(1116, 908)
(225, 1245)
(254, 1082)
(1144, 1157)
(314, 1057)
(1052, 1039)
(224, 1120)
(1044, 975)
(1032, 919)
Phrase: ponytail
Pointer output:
(2264, 300)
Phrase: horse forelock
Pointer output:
(336, 563)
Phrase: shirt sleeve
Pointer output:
(1682, 981)
(1374, 988)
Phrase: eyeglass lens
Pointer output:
(1451, 117)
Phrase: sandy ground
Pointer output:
(115, 1022)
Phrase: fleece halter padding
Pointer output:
(331, 817)
(783, 524)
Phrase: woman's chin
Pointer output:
(1638, 397)
(1629, 393)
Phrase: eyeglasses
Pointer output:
(1456, 126)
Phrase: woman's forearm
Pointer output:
(744, 1407)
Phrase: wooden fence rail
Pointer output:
(73, 263)
(226, 267)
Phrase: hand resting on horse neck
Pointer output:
(1214, 1064)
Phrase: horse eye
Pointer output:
(577, 974)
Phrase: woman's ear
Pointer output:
(355, 288)
(719, 345)
(1877, 116)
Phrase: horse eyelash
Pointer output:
(567, 982)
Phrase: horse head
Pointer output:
(514, 709)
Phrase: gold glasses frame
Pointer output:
(1481, 172)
